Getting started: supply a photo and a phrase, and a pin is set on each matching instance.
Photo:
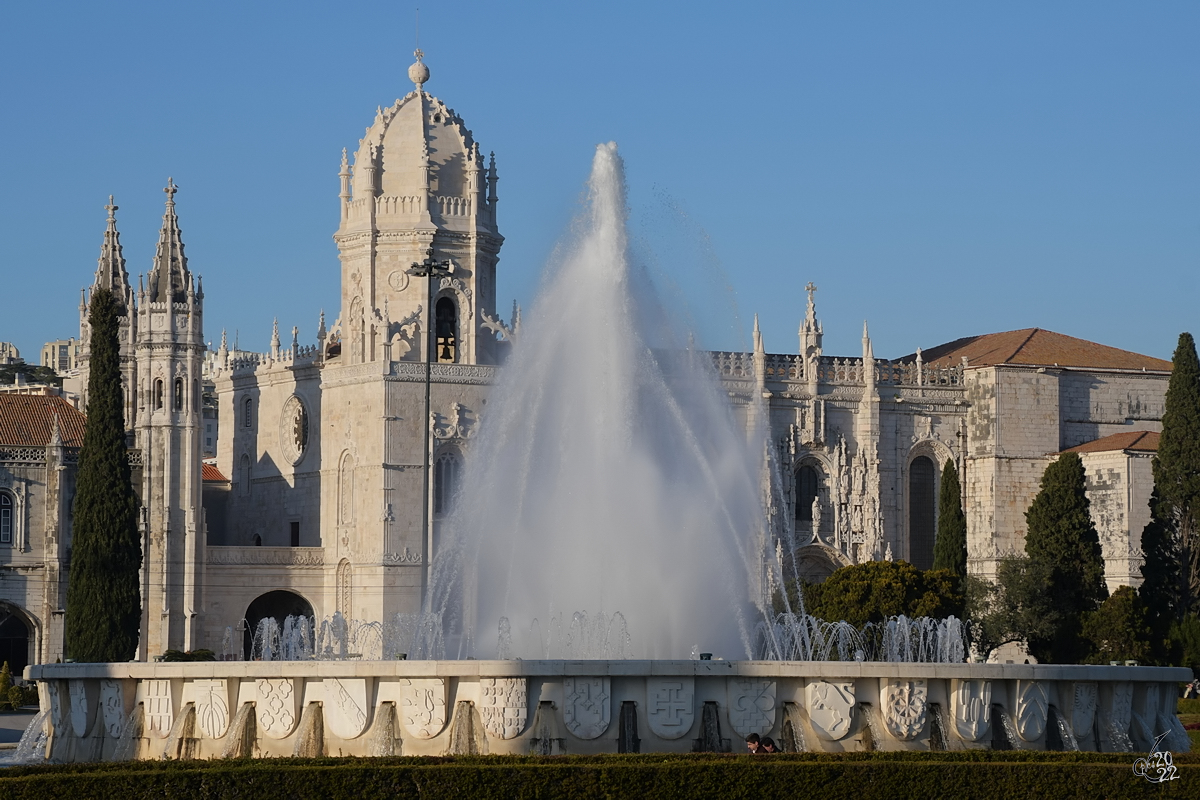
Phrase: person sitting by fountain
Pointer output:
(767, 745)
(753, 745)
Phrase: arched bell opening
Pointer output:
(446, 330)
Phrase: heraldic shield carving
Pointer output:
(1083, 709)
(751, 705)
(503, 706)
(159, 710)
(972, 701)
(672, 706)
(1032, 706)
(112, 706)
(904, 705)
(276, 706)
(346, 706)
(587, 706)
(423, 706)
(830, 704)
(83, 704)
(212, 706)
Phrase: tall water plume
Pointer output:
(609, 475)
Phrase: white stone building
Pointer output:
(336, 459)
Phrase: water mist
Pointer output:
(609, 476)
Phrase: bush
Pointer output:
(1118, 631)
(673, 777)
(189, 655)
(876, 590)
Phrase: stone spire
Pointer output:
(110, 272)
(169, 278)
(760, 358)
(275, 343)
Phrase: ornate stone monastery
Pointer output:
(336, 460)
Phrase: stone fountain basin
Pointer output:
(548, 706)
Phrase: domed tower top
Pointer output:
(418, 167)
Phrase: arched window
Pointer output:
(806, 492)
(446, 328)
(179, 394)
(6, 518)
(257, 540)
(346, 490)
(922, 511)
(158, 393)
(195, 395)
(445, 480)
(244, 476)
(248, 412)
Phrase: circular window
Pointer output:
(293, 429)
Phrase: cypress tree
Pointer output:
(950, 547)
(1063, 541)
(1175, 506)
(103, 601)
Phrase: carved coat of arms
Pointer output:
(112, 706)
(346, 706)
(1083, 708)
(158, 707)
(1032, 707)
(587, 706)
(751, 705)
(972, 702)
(904, 705)
(830, 704)
(423, 706)
(671, 706)
(276, 706)
(212, 706)
(503, 706)
(82, 705)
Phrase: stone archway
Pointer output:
(279, 605)
(16, 638)
(816, 562)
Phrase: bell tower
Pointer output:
(418, 191)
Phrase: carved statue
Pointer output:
(816, 518)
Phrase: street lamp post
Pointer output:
(430, 269)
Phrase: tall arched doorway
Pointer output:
(279, 604)
(922, 511)
(14, 639)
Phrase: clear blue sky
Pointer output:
(941, 169)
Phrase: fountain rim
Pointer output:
(543, 668)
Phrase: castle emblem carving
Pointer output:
(587, 706)
(503, 706)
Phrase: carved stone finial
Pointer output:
(418, 73)
(111, 208)
(171, 189)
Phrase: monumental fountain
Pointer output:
(612, 526)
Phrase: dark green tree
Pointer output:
(1063, 541)
(1159, 592)
(1013, 608)
(1117, 630)
(103, 601)
(950, 547)
(1170, 543)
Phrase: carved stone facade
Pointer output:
(342, 455)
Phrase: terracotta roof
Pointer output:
(27, 419)
(1036, 347)
(1138, 441)
(209, 472)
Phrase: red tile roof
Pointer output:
(209, 472)
(1037, 347)
(27, 419)
(1137, 441)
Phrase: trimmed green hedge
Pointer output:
(728, 777)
